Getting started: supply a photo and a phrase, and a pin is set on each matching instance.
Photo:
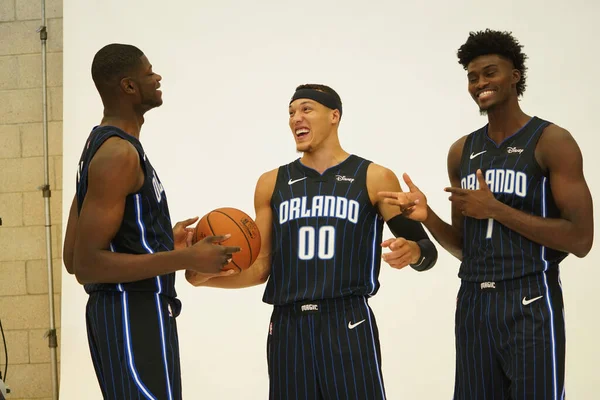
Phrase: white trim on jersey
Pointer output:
(549, 303)
(130, 360)
(140, 222)
(163, 345)
(138, 214)
(373, 261)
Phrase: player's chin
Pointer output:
(152, 104)
(303, 147)
(485, 106)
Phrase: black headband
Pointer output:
(324, 98)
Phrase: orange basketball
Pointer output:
(243, 230)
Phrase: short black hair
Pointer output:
(321, 88)
(113, 62)
(495, 42)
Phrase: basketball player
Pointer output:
(119, 241)
(520, 205)
(321, 224)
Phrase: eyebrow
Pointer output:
(304, 102)
(484, 68)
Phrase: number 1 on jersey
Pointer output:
(490, 228)
(324, 241)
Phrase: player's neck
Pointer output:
(324, 158)
(128, 121)
(505, 119)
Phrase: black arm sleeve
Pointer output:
(413, 230)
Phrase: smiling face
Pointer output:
(148, 83)
(311, 124)
(492, 81)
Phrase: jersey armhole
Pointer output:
(277, 177)
(139, 152)
(465, 153)
(537, 165)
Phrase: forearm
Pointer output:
(445, 234)
(556, 233)
(103, 266)
(257, 274)
(428, 257)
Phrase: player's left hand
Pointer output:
(403, 252)
(478, 203)
(183, 234)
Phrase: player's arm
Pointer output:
(412, 245)
(114, 173)
(260, 270)
(69, 244)
(558, 152)
(449, 236)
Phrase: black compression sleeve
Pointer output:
(413, 230)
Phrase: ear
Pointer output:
(335, 116)
(516, 76)
(128, 86)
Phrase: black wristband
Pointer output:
(407, 228)
(428, 257)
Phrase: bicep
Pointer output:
(264, 217)
(570, 191)
(100, 217)
(381, 179)
(110, 180)
(264, 221)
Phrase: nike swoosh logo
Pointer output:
(478, 154)
(527, 302)
(291, 182)
(352, 326)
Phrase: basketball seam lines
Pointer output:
(240, 228)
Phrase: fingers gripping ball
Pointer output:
(243, 230)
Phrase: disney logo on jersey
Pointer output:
(319, 206)
(505, 181)
(158, 187)
(342, 178)
(510, 150)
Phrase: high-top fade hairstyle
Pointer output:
(112, 63)
(489, 42)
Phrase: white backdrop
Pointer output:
(229, 69)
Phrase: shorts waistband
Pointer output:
(551, 277)
(322, 305)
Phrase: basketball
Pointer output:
(243, 230)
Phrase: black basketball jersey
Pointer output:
(146, 226)
(326, 234)
(491, 251)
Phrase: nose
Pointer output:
(158, 77)
(295, 118)
(481, 83)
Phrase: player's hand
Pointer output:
(209, 257)
(197, 278)
(403, 252)
(183, 234)
(413, 204)
(478, 203)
